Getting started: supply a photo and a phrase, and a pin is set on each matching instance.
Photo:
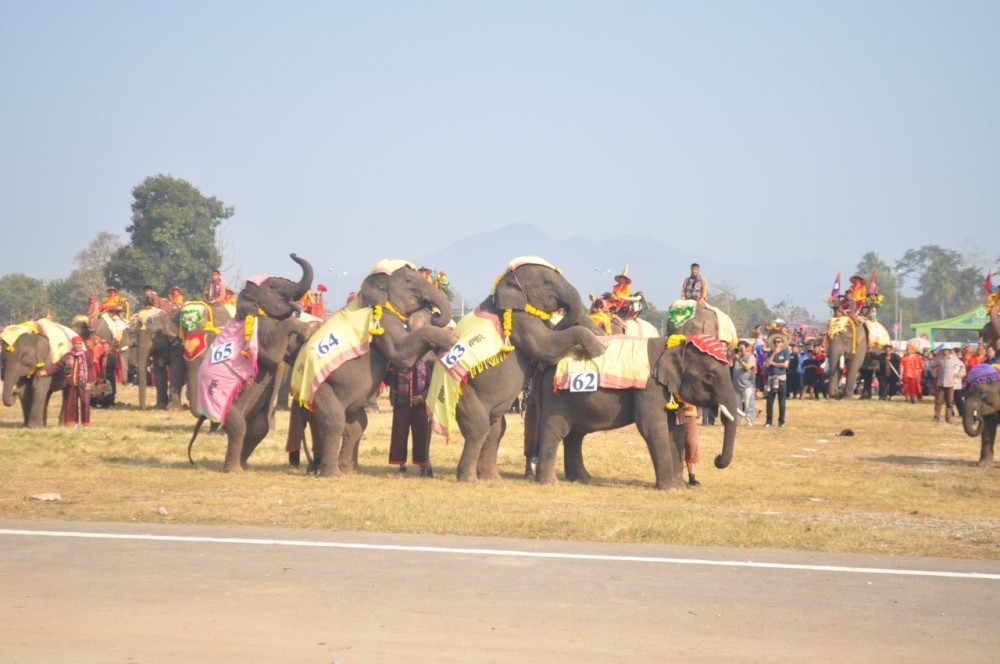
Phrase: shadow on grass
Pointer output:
(920, 461)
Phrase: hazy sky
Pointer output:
(748, 132)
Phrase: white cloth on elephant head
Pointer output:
(529, 260)
(390, 265)
(727, 330)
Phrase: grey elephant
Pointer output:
(251, 415)
(271, 301)
(848, 339)
(337, 373)
(982, 408)
(695, 372)
(519, 312)
(27, 347)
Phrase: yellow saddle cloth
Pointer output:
(878, 336)
(117, 325)
(58, 335)
(624, 365)
(479, 347)
(344, 336)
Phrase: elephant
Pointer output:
(336, 413)
(156, 338)
(982, 408)
(705, 319)
(850, 340)
(251, 415)
(20, 361)
(695, 371)
(531, 289)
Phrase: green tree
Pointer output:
(92, 263)
(21, 297)
(67, 298)
(173, 237)
(948, 284)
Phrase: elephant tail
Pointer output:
(197, 428)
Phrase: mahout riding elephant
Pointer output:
(527, 294)
(26, 348)
(689, 317)
(251, 415)
(990, 334)
(693, 371)
(393, 294)
(849, 339)
(982, 408)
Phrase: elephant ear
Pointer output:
(374, 289)
(508, 294)
(246, 301)
(666, 371)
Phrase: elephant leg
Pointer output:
(256, 431)
(38, 403)
(676, 433)
(25, 399)
(162, 387)
(486, 467)
(551, 432)
(354, 426)
(328, 423)
(236, 429)
(474, 423)
(573, 458)
(666, 451)
(989, 436)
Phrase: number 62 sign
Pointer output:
(584, 381)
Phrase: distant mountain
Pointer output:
(657, 269)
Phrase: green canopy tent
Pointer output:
(964, 328)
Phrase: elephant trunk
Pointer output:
(729, 436)
(572, 305)
(9, 391)
(441, 306)
(299, 289)
(972, 421)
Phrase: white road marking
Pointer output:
(500, 552)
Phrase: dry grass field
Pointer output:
(901, 486)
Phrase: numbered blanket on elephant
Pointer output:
(345, 335)
(230, 367)
(479, 347)
(878, 336)
(624, 365)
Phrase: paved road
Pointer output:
(81, 592)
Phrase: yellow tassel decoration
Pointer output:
(537, 313)
(508, 319)
(675, 340)
(248, 324)
(376, 329)
(672, 404)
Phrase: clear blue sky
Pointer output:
(747, 132)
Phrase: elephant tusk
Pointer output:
(725, 411)
(739, 411)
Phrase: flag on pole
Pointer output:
(874, 288)
(988, 283)
(835, 291)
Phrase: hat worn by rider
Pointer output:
(111, 288)
(858, 279)
(623, 276)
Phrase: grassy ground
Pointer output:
(902, 485)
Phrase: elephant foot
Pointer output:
(330, 471)
(578, 475)
(985, 463)
(467, 477)
(546, 478)
(680, 485)
(233, 468)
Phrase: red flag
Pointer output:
(874, 289)
(988, 284)
(835, 291)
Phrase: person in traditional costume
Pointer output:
(695, 287)
(78, 368)
(409, 414)
(912, 369)
(854, 298)
(215, 290)
(621, 298)
(427, 274)
(114, 303)
(177, 296)
(230, 297)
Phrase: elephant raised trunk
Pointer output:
(297, 290)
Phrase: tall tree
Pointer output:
(948, 284)
(92, 263)
(21, 297)
(172, 237)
